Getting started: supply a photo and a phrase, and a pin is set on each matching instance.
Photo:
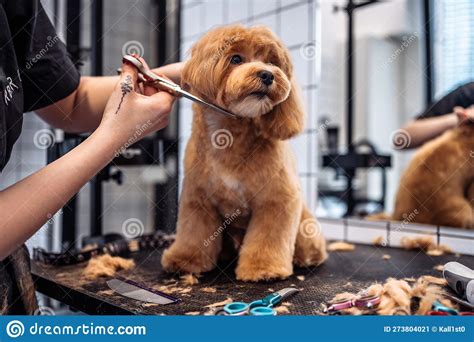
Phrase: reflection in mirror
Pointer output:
(398, 142)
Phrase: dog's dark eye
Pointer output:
(236, 59)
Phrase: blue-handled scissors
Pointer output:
(440, 308)
(261, 307)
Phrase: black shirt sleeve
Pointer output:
(462, 96)
(48, 74)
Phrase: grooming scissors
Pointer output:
(359, 301)
(146, 75)
(439, 309)
(260, 307)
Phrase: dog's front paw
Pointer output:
(174, 260)
(261, 271)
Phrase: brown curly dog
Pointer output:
(438, 186)
(239, 172)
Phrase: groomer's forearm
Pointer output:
(421, 131)
(172, 71)
(28, 204)
(82, 110)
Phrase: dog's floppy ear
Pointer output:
(197, 65)
(188, 74)
(287, 118)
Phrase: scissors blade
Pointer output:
(460, 301)
(131, 289)
(196, 99)
(287, 292)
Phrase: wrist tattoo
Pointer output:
(126, 87)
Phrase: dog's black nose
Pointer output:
(266, 77)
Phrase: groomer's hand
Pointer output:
(464, 114)
(134, 111)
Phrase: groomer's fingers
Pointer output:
(461, 116)
(164, 101)
(149, 89)
(129, 75)
(461, 113)
(470, 109)
(140, 58)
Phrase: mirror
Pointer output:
(392, 145)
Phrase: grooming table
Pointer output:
(343, 271)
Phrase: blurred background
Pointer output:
(403, 54)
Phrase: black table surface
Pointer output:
(343, 271)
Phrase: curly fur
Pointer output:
(438, 186)
(254, 174)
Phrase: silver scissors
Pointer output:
(163, 84)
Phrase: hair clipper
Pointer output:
(461, 279)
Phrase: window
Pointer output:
(453, 43)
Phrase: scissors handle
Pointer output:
(236, 308)
(241, 309)
(159, 82)
(268, 301)
(367, 301)
(262, 311)
(254, 309)
(437, 306)
(437, 313)
(339, 305)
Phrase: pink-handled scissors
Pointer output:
(365, 302)
(163, 84)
